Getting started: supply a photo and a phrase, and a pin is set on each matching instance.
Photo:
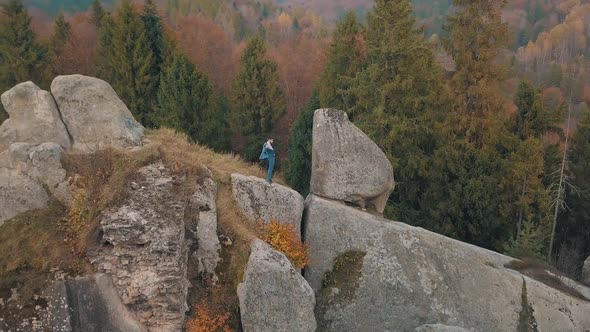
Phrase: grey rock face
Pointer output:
(586, 271)
(204, 210)
(94, 114)
(42, 163)
(346, 164)
(19, 193)
(34, 117)
(260, 201)
(407, 276)
(274, 297)
(89, 304)
(439, 328)
(145, 252)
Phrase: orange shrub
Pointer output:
(285, 239)
(206, 321)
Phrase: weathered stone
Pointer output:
(19, 193)
(586, 271)
(439, 328)
(260, 201)
(34, 117)
(407, 276)
(144, 249)
(89, 304)
(346, 164)
(42, 163)
(205, 210)
(274, 297)
(94, 114)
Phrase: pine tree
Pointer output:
(128, 62)
(298, 171)
(345, 58)
(183, 97)
(61, 35)
(476, 35)
(98, 13)
(574, 227)
(532, 118)
(21, 57)
(472, 187)
(257, 97)
(154, 36)
(399, 99)
(215, 131)
(104, 69)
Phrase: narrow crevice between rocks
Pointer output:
(62, 120)
(526, 317)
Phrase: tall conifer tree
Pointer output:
(257, 96)
(21, 57)
(471, 183)
(345, 60)
(399, 98)
(61, 34)
(128, 63)
(98, 13)
(154, 33)
(298, 171)
(183, 97)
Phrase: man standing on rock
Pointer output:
(268, 153)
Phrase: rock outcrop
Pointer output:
(586, 271)
(144, 250)
(204, 211)
(89, 304)
(94, 114)
(346, 164)
(260, 201)
(19, 193)
(274, 297)
(34, 117)
(43, 163)
(372, 274)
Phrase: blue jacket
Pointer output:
(266, 152)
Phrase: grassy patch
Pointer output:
(537, 270)
(33, 248)
(181, 156)
(101, 178)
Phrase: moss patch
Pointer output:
(345, 274)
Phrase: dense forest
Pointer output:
(480, 105)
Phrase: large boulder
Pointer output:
(89, 304)
(260, 201)
(346, 164)
(586, 272)
(372, 274)
(142, 245)
(42, 163)
(19, 193)
(274, 297)
(34, 117)
(94, 114)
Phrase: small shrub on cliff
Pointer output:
(205, 320)
(285, 239)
